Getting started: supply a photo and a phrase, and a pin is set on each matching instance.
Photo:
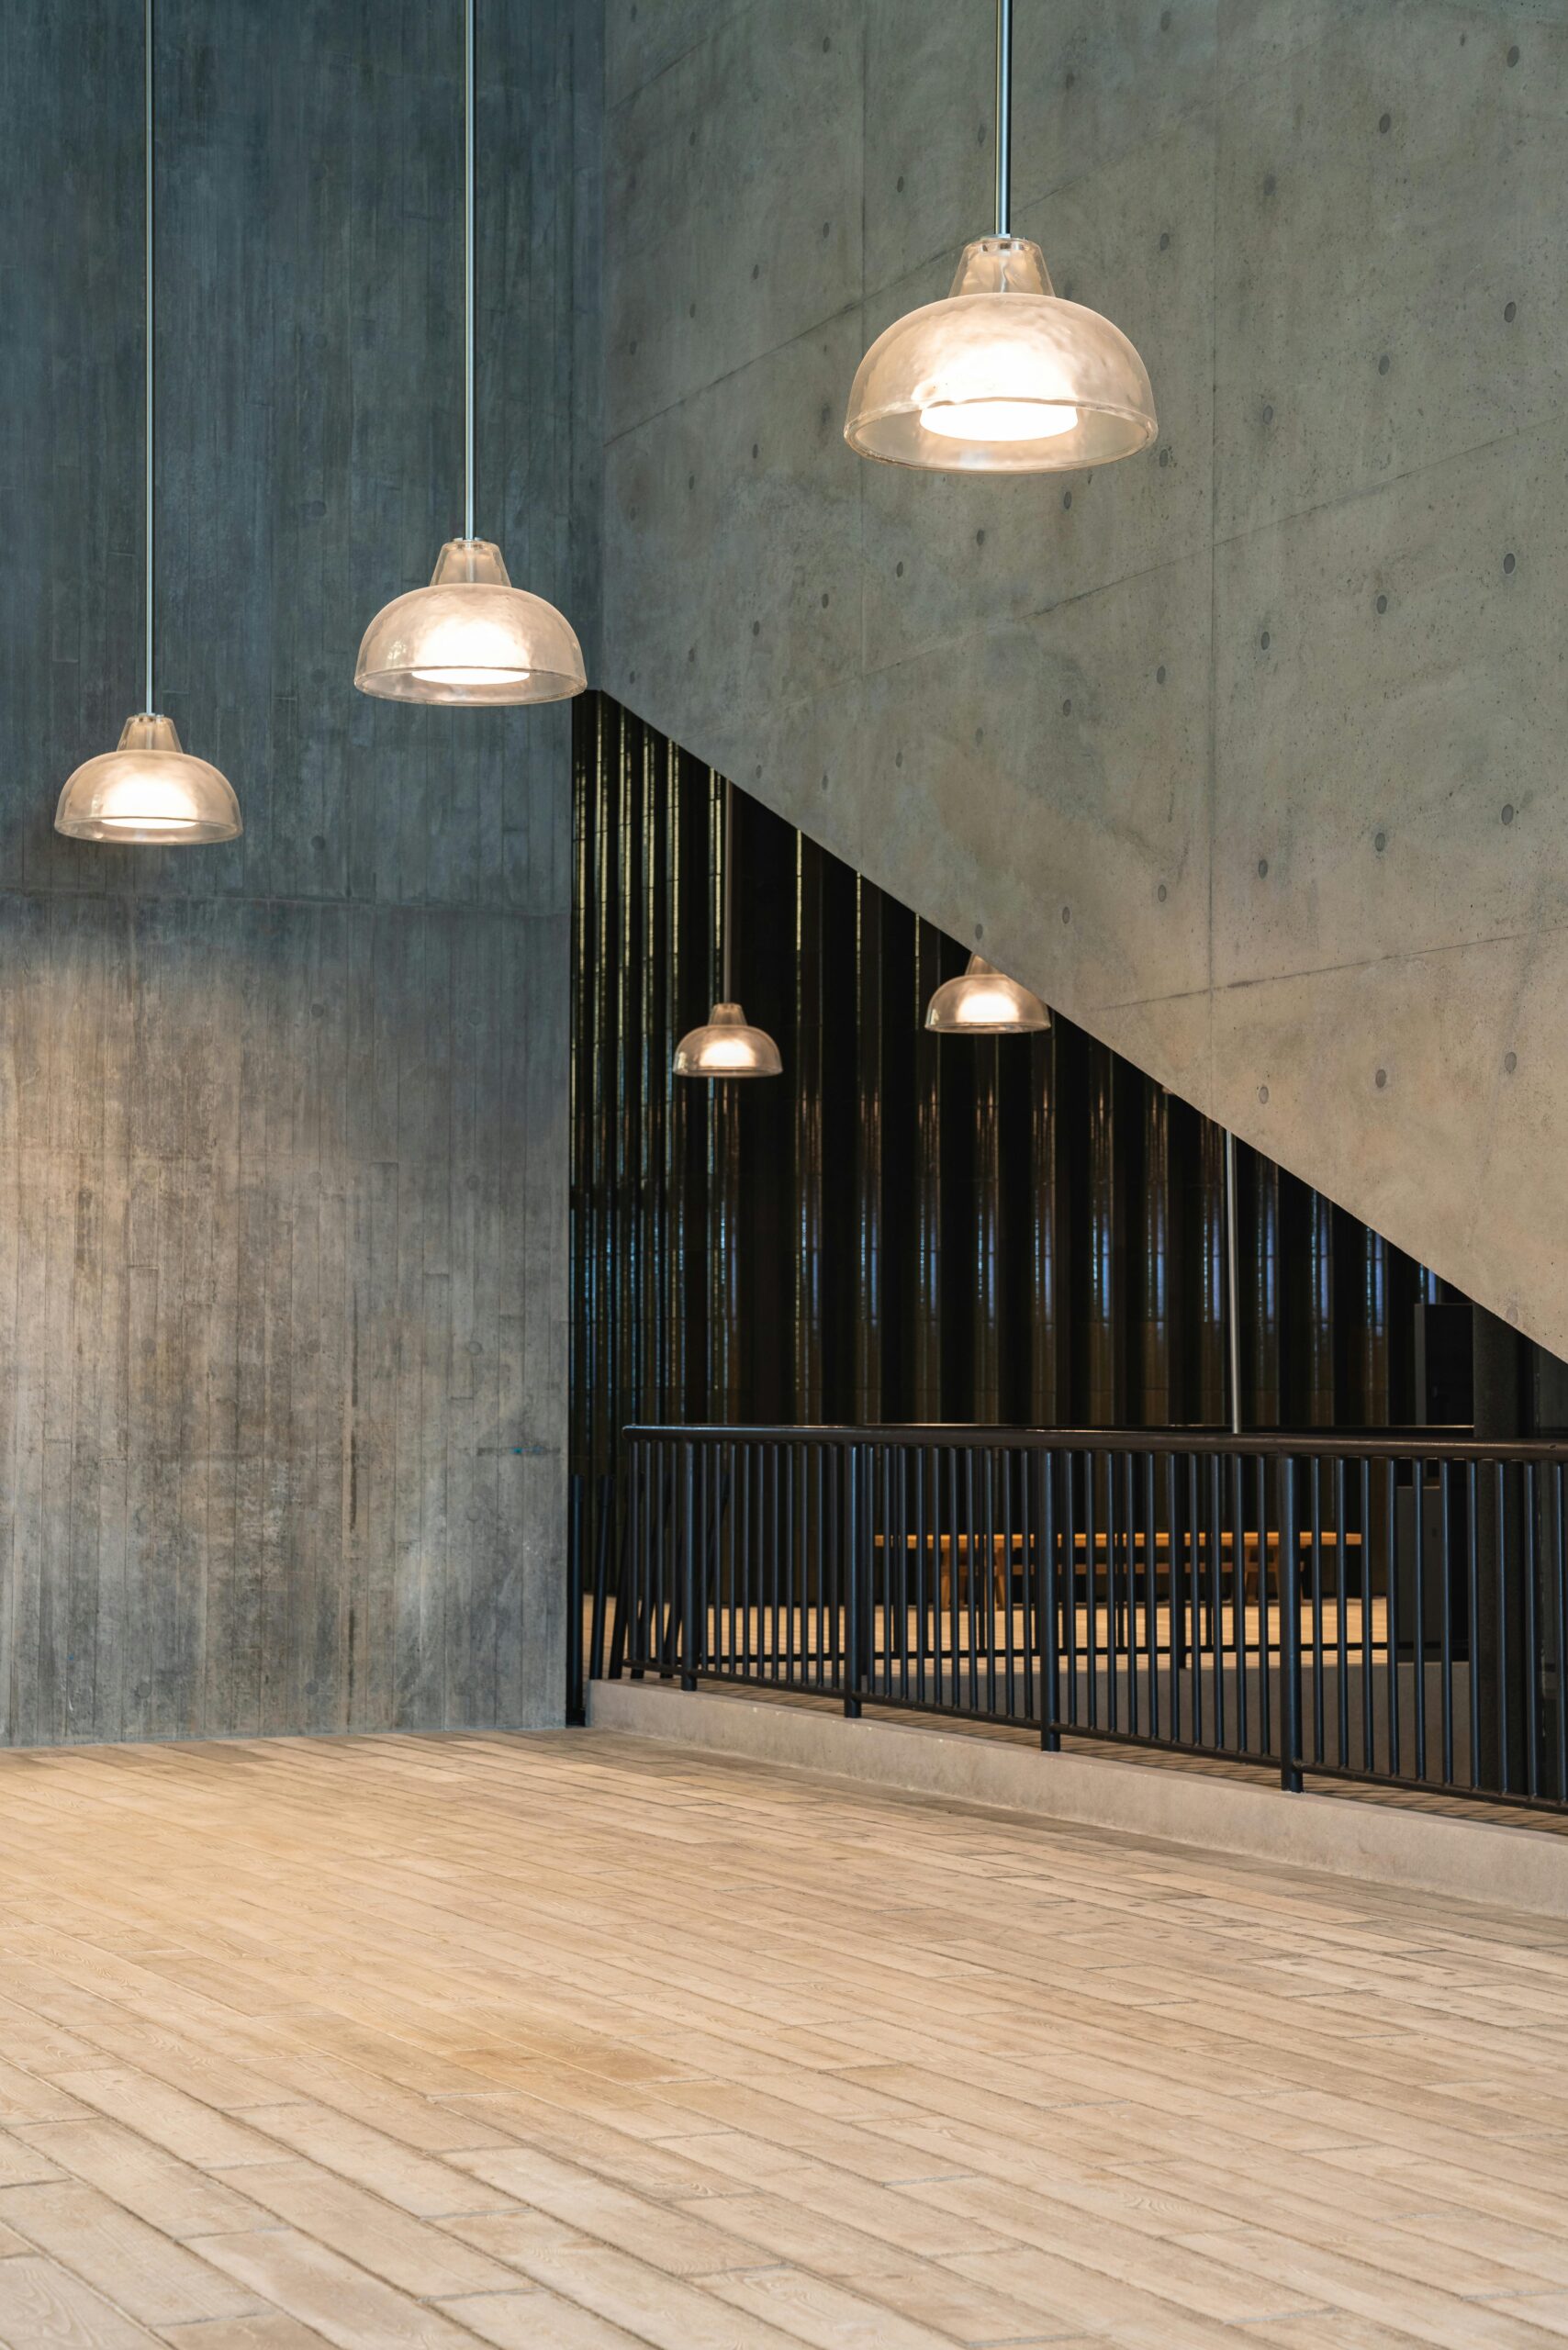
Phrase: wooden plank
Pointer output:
(134, 2264)
(172, 2195)
(43, 2303)
(334, 2295)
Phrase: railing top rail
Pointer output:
(1272, 1444)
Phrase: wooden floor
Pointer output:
(565, 2042)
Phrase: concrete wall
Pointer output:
(283, 1125)
(1248, 754)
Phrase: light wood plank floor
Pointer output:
(566, 2043)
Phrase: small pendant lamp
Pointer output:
(470, 636)
(985, 1003)
(1002, 377)
(725, 1045)
(148, 789)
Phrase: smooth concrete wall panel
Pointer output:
(1331, 227)
(736, 199)
(1392, 289)
(1426, 812)
(747, 481)
(279, 1318)
(283, 1157)
(1385, 1072)
(1527, 1126)
(647, 36)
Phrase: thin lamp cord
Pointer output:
(150, 384)
(1004, 117)
(729, 906)
(469, 268)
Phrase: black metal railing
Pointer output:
(1382, 1609)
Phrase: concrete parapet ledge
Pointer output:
(1389, 1844)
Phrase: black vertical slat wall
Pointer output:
(902, 1226)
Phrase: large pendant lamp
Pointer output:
(985, 1003)
(148, 789)
(725, 1045)
(470, 636)
(1002, 377)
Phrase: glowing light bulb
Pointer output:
(987, 1007)
(1000, 419)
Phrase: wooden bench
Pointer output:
(1009, 1548)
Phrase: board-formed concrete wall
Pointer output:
(1250, 754)
(283, 1125)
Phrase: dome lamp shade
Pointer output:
(984, 1002)
(726, 1046)
(148, 790)
(1002, 377)
(470, 637)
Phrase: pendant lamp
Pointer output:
(470, 636)
(148, 789)
(985, 1003)
(725, 1045)
(1002, 377)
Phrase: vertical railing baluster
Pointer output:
(1005, 1469)
(1531, 1551)
(1114, 1618)
(1020, 1465)
(1315, 1471)
(1151, 1601)
(1504, 1758)
(688, 1649)
(1266, 1576)
(1445, 1537)
(1239, 1599)
(1418, 1580)
(1472, 1611)
(1091, 1576)
(1215, 1643)
(955, 1587)
(1176, 1584)
(971, 1546)
(1558, 1609)
(1047, 1600)
(1290, 1632)
(1369, 1748)
(1066, 1579)
(920, 1460)
(1391, 1610)
(895, 1553)
(1342, 1613)
(854, 1591)
(1195, 1605)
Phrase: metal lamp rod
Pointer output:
(469, 268)
(729, 910)
(149, 382)
(1003, 115)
